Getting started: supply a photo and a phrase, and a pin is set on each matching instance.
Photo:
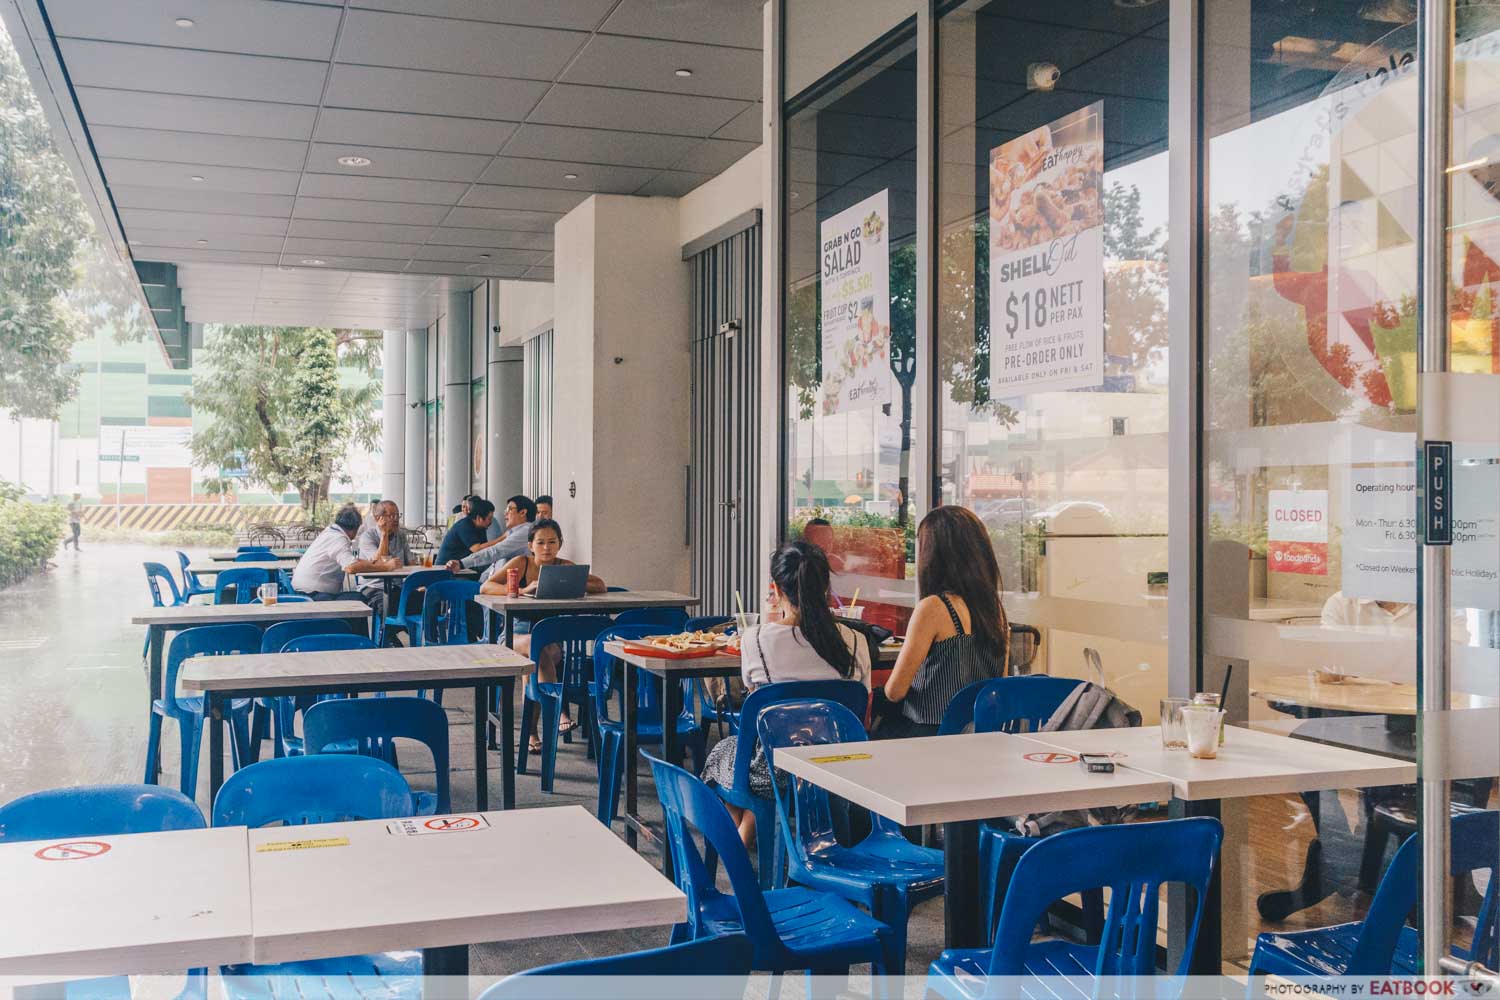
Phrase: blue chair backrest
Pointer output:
(245, 582)
(616, 590)
(419, 580)
(207, 640)
(851, 694)
(326, 643)
(608, 682)
(320, 788)
(445, 612)
(1133, 860)
(276, 637)
(726, 957)
(804, 815)
(1020, 704)
(98, 811)
(688, 804)
(241, 549)
(572, 633)
(1476, 841)
(155, 573)
(284, 582)
(670, 619)
(959, 713)
(188, 579)
(368, 721)
(254, 555)
(704, 622)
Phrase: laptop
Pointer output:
(560, 583)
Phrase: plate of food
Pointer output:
(681, 646)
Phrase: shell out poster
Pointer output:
(1047, 257)
(856, 317)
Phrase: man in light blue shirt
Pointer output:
(513, 541)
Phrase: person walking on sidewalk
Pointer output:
(75, 521)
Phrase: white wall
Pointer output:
(718, 200)
(813, 50)
(523, 306)
(573, 379)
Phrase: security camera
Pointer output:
(1042, 76)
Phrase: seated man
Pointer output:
(321, 572)
(467, 533)
(520, 512)
(544, 507)
(383, 538)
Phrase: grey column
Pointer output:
(416, 427)
(456, 400)
(507, 398)
(393, 417)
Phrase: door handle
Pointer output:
(1473, 970)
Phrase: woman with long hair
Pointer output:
(958, 633)
(808, 644)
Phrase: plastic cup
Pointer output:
(1201, 722)
(1173, 737)
(853, 613)
(268, 593)
(746, 619)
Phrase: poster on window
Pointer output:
(1297, 532)
(856, 318)
(1047, 257)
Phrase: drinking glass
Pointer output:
(853, 612)
(745, 619)
(1173, 736)
(1211, 699)
(268, 593)
(1202, 725)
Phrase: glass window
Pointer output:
(853, 433)
(537, 451)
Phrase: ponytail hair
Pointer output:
(801, 573)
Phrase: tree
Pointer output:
(42, 221)
(278, 407)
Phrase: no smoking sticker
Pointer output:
(438, 824)
(1051, 757)
(73, 850)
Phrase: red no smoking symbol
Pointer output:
(1051, 757)
(450, 824)
(73, 850)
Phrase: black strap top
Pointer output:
(951, 665)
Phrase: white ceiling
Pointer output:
(219, 142)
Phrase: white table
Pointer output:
(160, 621)
(531, 608)
(281, 553)
(355, 671)
(521, 874)
(213, 568)
(393, 580)
(136, 904)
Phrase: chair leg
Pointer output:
(239, 740)
(890, 907)
(1373, 853)
(609, 778)
(153, 748)
(551, 712)
(523, 744)
(190, 733)
(767, 844)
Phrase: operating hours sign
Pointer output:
(1047, 257)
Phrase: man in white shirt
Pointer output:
(519, 515)
(322, 571)
(1384, 617)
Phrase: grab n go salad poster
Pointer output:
(856, 292)
(1047, 257)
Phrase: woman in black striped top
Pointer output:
(958, 633)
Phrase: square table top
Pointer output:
(281, 553)
(140, 903)
(495, 876)
(946, 779)
(409, 570)
(186, 615)
(211, 567)
(619, 600)
(718, 665)
(395, 665)
(1249, 763)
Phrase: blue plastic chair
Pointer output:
(445, 618)
(283, 710)
(205, 640)
(958, 715)
(726, 958)
(609, 682)
(369, 724)
(667, 620)
(191, 585)
(103, 811)
(404, 617)
(1132, 860)
(726, 720)
(155, 572)
(884, 872)
(244, 581)
(284, 586)
(240, 550)
(319, 788)
(851, 694)
(325, 643)
(1382, 944)
(789, 929)
(255, 555)
(572, 633)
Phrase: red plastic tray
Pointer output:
(669, 654)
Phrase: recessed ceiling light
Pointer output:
(570, 177)
(315, 262)
(183, 22)
(484, 256)
(198, 178)
(682, 73)
(354, 161)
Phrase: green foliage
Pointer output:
(42, 223)
(179, 538)
(1252, 535)
(29, 533)
(855, 517)
(278, 405)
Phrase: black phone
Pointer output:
(1097, 763)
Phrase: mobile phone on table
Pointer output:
(1097, 763)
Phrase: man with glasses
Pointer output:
(383, 538)
(519, 512)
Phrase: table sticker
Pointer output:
(437, 824)
(839, 758)
(73, 850)
(273, 846)
(1051, 757)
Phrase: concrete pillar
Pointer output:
(393, 413)
(416, 428)
(456, 458)
(507, 401)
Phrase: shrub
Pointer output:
(29, 534)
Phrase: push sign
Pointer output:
(1437, 482)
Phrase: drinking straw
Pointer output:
(1224, 691)
(739, 602)
(854, 601)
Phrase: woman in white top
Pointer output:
(807, 644)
